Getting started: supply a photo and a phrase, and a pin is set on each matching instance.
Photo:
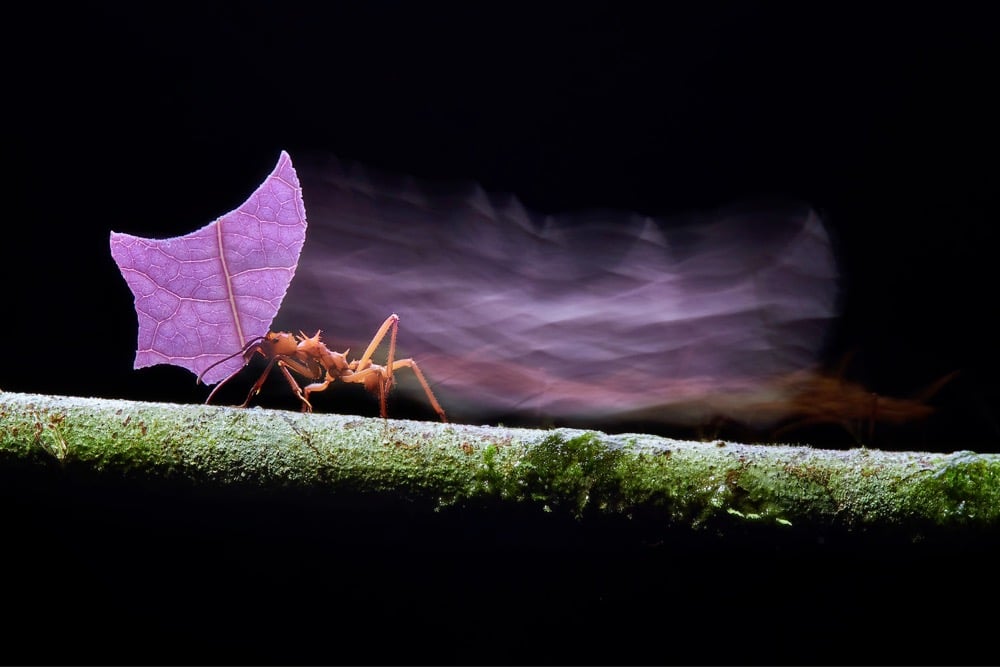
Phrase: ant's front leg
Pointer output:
(306, 405)
(255, 389)
(284, 362)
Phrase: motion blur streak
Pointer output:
(601, 315)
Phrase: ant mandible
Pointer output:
(312, 359)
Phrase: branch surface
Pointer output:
(433, 467)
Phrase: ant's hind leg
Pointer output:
(410, 363)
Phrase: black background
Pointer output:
(155, 121)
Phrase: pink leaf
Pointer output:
(201, 297)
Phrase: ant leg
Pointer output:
(316, 386)
(306, 405)
(284, 362)
(392, 355)
(260, 382)
(410, 363)
(391, 321)
(363, 377)
(382, 411)
(385, 382)
(373, 378)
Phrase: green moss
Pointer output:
(760, 493)
(577, 475)
(663, 483)
(965, 490)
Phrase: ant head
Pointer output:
(280, 342)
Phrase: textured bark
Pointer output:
(666, 484)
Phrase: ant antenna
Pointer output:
(243, 350)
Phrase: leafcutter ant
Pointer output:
(309, 357)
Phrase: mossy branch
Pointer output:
(666, 483)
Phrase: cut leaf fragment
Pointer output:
(201, 297)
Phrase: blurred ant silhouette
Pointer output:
(818, 398)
